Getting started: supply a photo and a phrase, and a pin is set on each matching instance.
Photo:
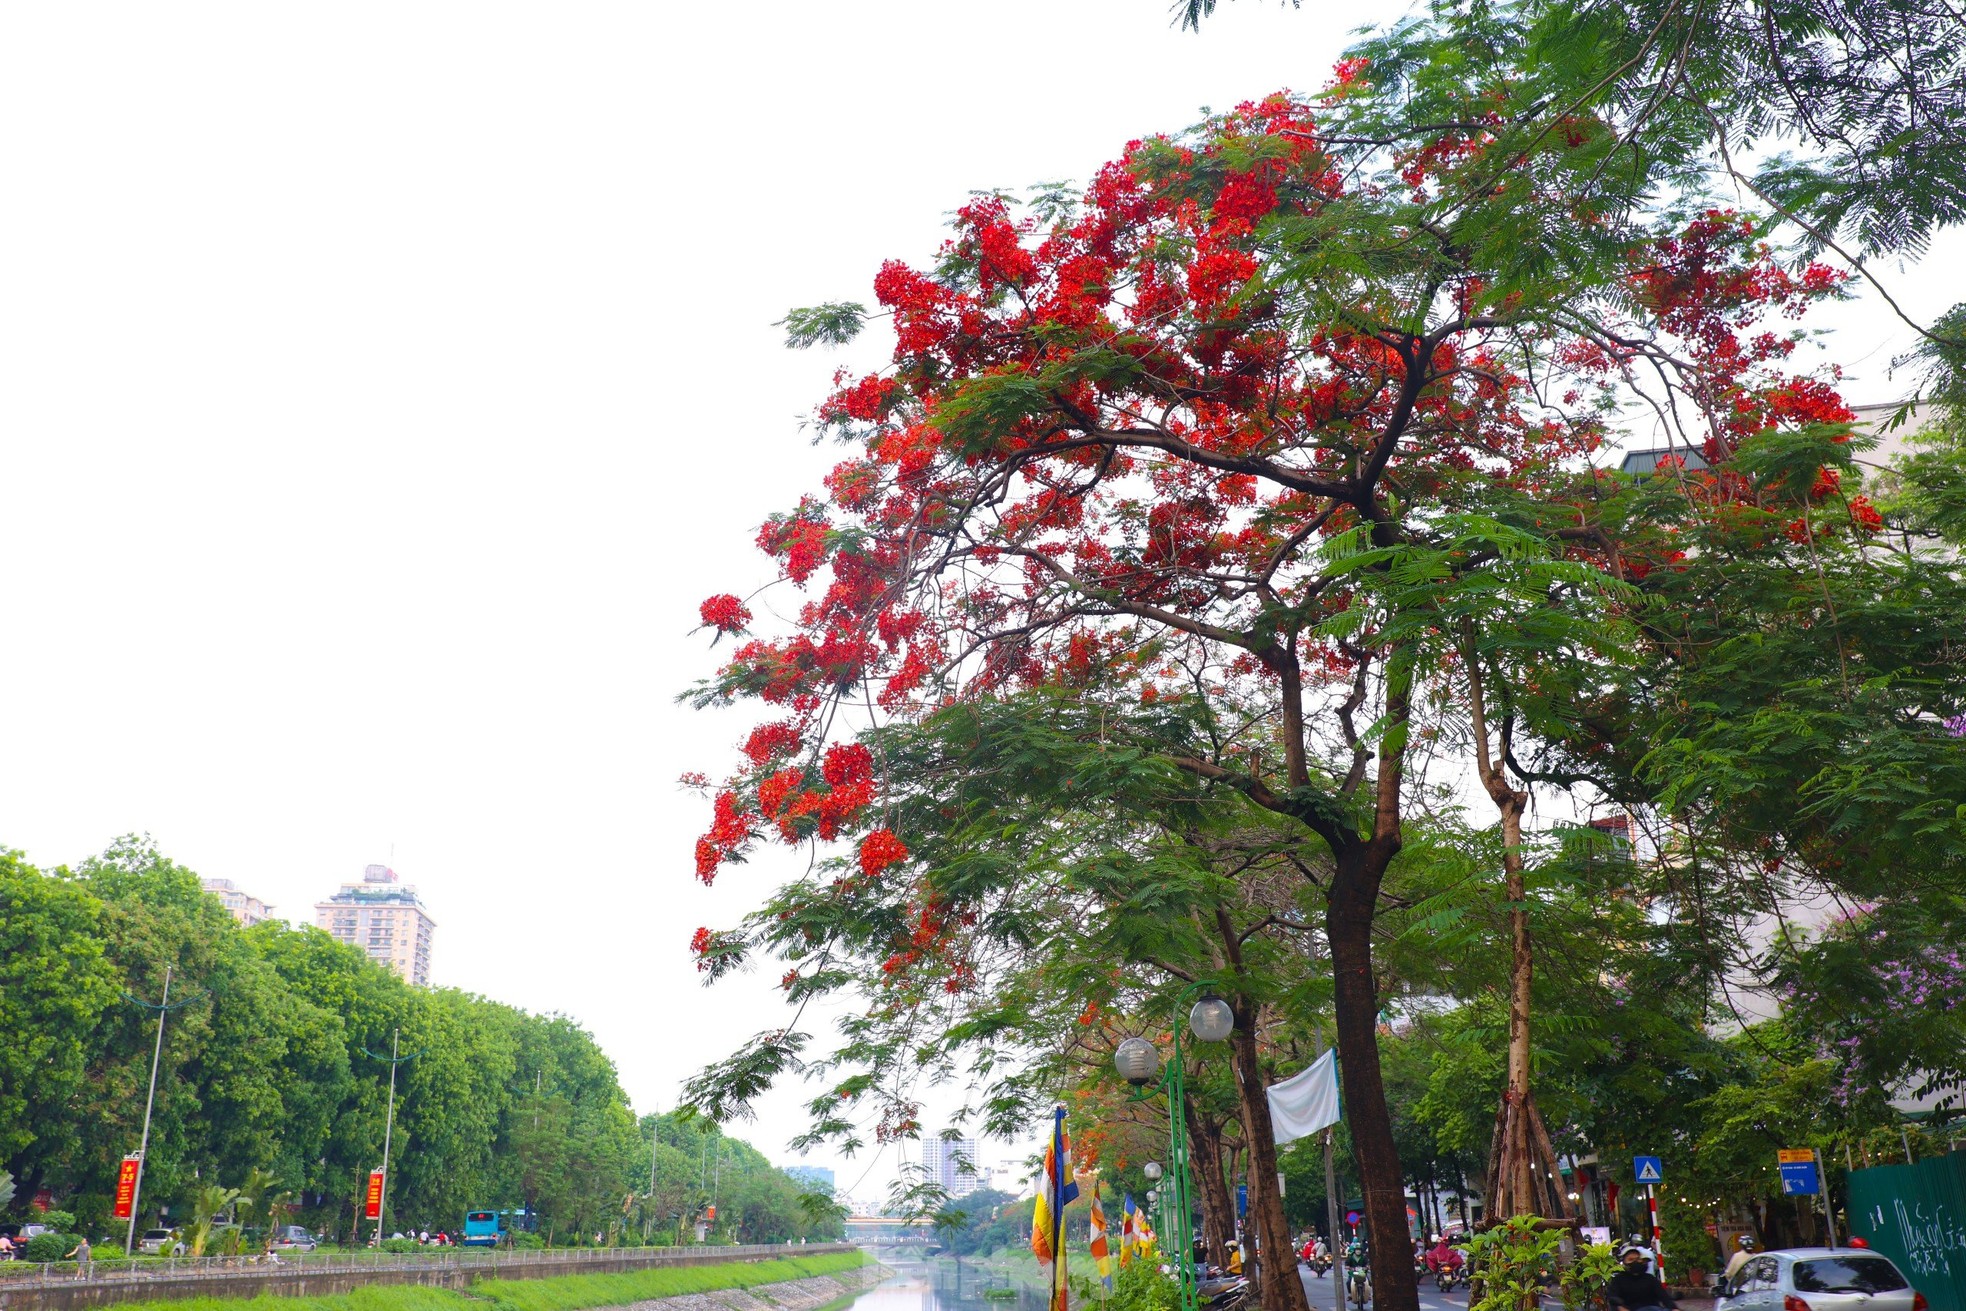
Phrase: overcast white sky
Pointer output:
(383, 385)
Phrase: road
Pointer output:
(1320, 1292)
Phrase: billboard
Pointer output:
(372, 1206)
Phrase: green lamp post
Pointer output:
(1211, 1020)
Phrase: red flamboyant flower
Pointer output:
(725, 613)
(880, 849)
(1865, 515)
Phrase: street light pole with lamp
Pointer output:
(1137, 1060)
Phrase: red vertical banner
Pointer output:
(126, 1186)
(373, 1207)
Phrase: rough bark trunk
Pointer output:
(1218, 1211)
(1281, 1289)
(1522, 1169)
(1350, 907)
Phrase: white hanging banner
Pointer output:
(1306, 1102)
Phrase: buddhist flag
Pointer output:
(1129, 1229)
(1055, 1191)
(1101, 1257)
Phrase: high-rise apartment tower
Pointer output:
(384, 918)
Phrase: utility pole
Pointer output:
(389, 1123)
(163, 1008)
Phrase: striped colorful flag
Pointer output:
(1055, 1192)
(1129, 1229)
(1101, 1257)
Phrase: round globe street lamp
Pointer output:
(1137, 1061)
(1212, 1019)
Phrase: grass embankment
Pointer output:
(560, 1293)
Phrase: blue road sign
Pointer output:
(1800, 1177)
(1648, 1169)
(1242, 1199)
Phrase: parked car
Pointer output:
(292, 1238)
(160, 1242)
(1820, 1279)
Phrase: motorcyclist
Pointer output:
(1441, 1256)
(1634, 1287)
(1235, 1258)
(1743, 1250)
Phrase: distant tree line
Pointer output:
(270, 1077)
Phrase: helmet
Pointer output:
(1746, 1242)
(1631, 1252)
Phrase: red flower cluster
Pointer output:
(879, 850)
(725, 613)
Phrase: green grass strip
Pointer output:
(578, 1292)
(560, 1293)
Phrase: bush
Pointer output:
(50, 1247)
(1139, 1286)
(401, 1245)
(525, 1241)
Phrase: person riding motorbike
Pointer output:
(1634, 1287)
(1744, 1250)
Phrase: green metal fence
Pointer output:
(1916, 1215)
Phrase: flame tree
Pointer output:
(1272, 416)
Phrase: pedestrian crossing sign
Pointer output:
(1648, 1169)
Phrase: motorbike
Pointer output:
(1231, 1294)
(1447, 1278)
(1357, 1290)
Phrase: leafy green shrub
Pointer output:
(1138, 1286)
(59, 1221)
(50, 1247)
(1511, 1261)
(1688, 1245)
(401, 1245)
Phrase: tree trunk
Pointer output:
(1522, 1168)
(1523, 1178)
(1352, 901)
(1281, 1288)
(1218, 1210)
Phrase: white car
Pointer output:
(160, 1242)
(1820, 1279)
(292, 1238)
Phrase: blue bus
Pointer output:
(482, 1229)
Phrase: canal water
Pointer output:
(943, 1284)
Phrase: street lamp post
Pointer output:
(163, 1008)
(389, 1124)
(1211, 1020)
